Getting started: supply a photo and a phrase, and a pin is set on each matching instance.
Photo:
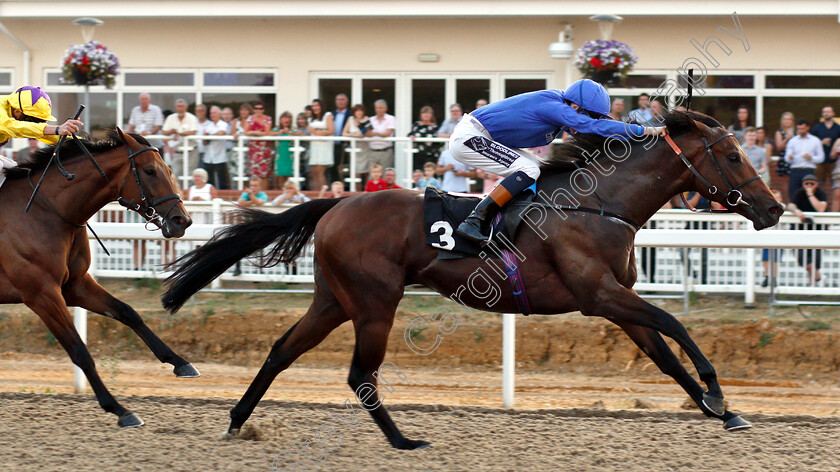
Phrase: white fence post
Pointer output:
(508, 358)
(240, 162)
(80, 314)
(749, 290)
(80, 322)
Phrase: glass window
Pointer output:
(809, 108)
(803, 81)
(468, 91)
(235, 100)
(328, 89)
(517, 86)
(166, 102)
(6, 79)
(160, 78)
(54, 78)
(431, 92)
(102, 109)
(238, 79)
(650, 81)
(723, 109)
(375, 89)
(723, 81)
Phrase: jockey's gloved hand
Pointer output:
(655, 131)
(70, 126)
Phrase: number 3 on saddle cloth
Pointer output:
(442, 213)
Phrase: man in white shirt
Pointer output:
(146, 119)
(804, 151)
(179, 124)
(383, 126)
(215, 151)
(455, 173)
(202, 125)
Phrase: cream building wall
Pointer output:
(298, 47)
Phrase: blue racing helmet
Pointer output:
(589, 95)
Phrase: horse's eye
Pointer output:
(734, 157)
(149, 171)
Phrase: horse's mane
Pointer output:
(69, 151)
(568, 156)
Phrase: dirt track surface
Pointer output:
(183, 435)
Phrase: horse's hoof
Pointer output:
(408, 445)
(129, 420)
(714, 404)
(186, 371)
(230, 434)
(737, 423)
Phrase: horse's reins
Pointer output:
(146, 210)
(734, 197)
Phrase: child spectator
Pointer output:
(428, 179)
(290, 194)
(375, 183)
(336, 188)
(252, 196)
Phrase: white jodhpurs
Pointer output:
(472, 145)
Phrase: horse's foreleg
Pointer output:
(321, 319)
(622, 305)
(371, 343)
(49, 306)
(88, 294)
(652, 344)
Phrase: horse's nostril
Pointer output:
(776, 209)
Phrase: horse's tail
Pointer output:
(291, 230)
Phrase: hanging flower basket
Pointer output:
(607, 62)
(89, 64)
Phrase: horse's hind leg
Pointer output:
(324, 315)
(652, 344)
(371, 343)
(88, 294)
(49, 306)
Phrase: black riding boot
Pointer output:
(487, 208)
(471, 227)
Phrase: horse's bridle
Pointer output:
(145, 208)
(734, 197)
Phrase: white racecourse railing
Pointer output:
(238, 155)
(724, 253)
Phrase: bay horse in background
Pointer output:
(45, 252)
(581, 260)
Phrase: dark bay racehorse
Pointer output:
(369, 247)
(45, 253)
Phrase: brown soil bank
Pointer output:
(756, 349)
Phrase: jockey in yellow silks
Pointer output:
(24, 114)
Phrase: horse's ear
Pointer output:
(127, 139)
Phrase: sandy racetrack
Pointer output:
(47, 432)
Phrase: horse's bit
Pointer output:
(734, 197)
(147, 209)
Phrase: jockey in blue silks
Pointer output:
(494, 136)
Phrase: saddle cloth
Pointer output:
(442, 213)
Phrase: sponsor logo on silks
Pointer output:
(493, 150)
